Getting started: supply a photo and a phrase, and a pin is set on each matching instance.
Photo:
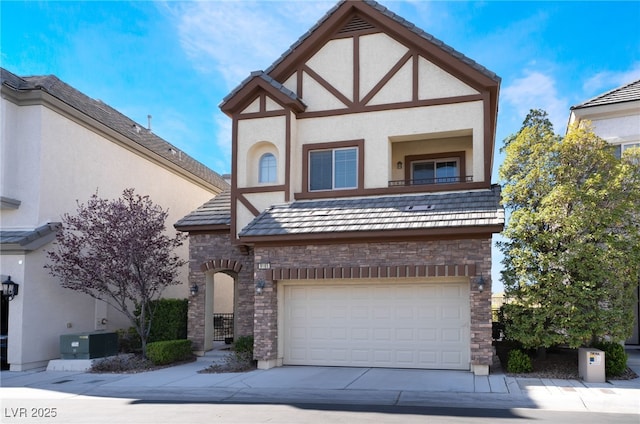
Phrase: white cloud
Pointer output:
(232, 38)
(608, 80)
(536, 90)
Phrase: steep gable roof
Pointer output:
(111, 118)
(260, 80)
(627, 93)
(346, 15)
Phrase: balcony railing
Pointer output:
(423, 181)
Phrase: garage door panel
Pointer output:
(401, 325)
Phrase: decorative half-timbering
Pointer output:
(361, 189)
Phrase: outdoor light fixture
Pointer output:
(259, 286)
(480, 282)
(399, 164)
(194, 290)
(9, 288)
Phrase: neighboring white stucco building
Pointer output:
(615, 117)
(59, 146)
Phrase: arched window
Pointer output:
(268, 168)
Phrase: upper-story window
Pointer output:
(333, 169)
(336, 167)
(439, 171)
(268, 168)
(436, 168)
(622, 147)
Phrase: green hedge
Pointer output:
(615, 358)
(169, 321)
(168, 351)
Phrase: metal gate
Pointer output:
(223, 328)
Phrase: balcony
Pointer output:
(423, 181)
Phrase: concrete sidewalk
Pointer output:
(332, 385)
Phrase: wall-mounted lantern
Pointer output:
(259, 286)
(194, 290)
(9, 288)
(399, 164)
(480, 283)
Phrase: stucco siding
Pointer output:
(377, 127)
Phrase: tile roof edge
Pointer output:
(600, 96)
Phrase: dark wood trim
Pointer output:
(455, 233)
(356, 70)
(325, 84)
(386, 78)
(234, 176)
(261, 189)
(287, 158)
(247, 204)
(359, 108)
(416, 77)
(460, 155)
(263, 103)
(265, 114)
(488, 138)
(306, 148)
(389, 191)
(374, 272)
(254, 88)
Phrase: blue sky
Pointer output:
(177, 60)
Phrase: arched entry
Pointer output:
(220, 300)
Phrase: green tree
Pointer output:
(117, 251)
(572, 242)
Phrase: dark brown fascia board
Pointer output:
(250, 91)
(203, 229)
(374, 236)
(43, 98)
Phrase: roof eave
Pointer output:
(389, 235)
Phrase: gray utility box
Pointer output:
(98, 344)
(591, 365)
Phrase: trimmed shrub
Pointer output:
(244, 344)
(615, 358)
(243, 349)
(168, 351)
(169, 320)
(519, 362)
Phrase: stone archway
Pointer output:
(201, 305)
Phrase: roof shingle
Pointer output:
(113, 119)
(626, 93)
(215, 213)
(428, 211)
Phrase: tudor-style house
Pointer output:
(58, 147)
(359, 221)
(615, 117)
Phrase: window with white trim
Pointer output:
(268, 168)
(333, 169)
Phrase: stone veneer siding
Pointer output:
(204, 248)
(435, 252)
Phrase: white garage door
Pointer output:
(377, 325)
